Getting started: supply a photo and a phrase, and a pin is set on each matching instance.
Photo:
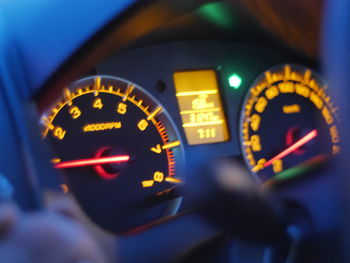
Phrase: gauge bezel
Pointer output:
(151, 101)
(300, 69)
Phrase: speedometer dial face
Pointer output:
(118, 150)
(288, 123)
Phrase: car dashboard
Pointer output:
(132, 132)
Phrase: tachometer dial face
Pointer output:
(288, 123)
(118, 150)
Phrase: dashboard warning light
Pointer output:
(234, 81)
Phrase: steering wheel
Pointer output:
(22, 161)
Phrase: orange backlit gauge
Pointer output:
(117, 149)
(288, 123)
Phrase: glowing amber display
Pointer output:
(200, 106)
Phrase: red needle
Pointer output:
(93, 161)
(308, 137)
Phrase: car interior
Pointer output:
(188, 131)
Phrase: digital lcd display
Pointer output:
(201, 111)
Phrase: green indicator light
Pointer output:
(235, 81)
(218, 13)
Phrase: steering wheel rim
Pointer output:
(336, 62)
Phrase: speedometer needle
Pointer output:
(308, 137)
(93, 161)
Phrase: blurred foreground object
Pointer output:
(43, 237)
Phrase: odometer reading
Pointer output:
(201, 110)
(287, 123)
(117, 148)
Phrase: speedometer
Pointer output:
(288, 123)
(117, 149)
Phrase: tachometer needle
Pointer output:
(308, 137)
(93, 161)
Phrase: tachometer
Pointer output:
(118, 149)
(288, 123)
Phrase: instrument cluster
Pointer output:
(126, 138)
